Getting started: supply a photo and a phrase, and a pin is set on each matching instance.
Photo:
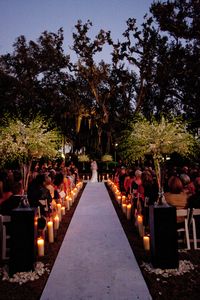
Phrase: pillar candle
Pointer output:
(83, 177)
(50, 231)
(40, 246)
(75, 191)
(140, 225)
(39, 214)
(73, 197)
(67, 203)
(103, 178)
(56, 222)
(59, 211)
(63, 210)
(124, 208)
(123, 198)
(119, 199)
(70, 201)
(128, 211)
(146, 242)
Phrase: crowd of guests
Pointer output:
(181, 186)
(46, 182)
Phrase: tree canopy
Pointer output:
(154, 69)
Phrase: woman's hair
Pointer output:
(58, 180)
(175, 185)
(147, 177)
(197, 184)
(138, 173)
(185, 179)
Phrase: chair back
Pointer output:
(4, 236)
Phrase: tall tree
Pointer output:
(37, 72)
(180, 21)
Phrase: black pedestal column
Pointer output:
(22, 250)
(163, 236)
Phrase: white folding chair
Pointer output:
(184, 213)
(195, 213)
(5, 237)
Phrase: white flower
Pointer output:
(23, 277)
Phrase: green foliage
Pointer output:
(24, 142)
(158, 138)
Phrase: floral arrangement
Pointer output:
(107, 158)
(83, 158)
(27, 141)
(158, 138)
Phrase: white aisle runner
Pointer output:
(95, 260)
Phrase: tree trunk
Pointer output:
(25, 171)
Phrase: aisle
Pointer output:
(95, 260)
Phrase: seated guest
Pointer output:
(150, 186)
(7, 191)
(137, 183)
(176, 195)
(122, 177)
(39, 195)
(194, 200)
(49, 185)
(188, 186)
(14, 200)
(58, 184)
(128, 181)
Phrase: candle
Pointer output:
(72, 196)
(88, 178)
(39, 214)
(75, 193)
(128, 211)
(59, 211)
(124, 206)
(107, 176)
(62, 210)
(119, 199)
(50, 231)
(123, 198)
(140, 225)
(56, 222)
(70, 201)
(103, 178)
(146, 242)
(83, 177)
(67, 203)
(40, 246)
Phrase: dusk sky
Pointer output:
(31, 18)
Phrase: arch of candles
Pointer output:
(126, 203)
(59, 208)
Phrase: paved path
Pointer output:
(95, 260)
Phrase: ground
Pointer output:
(182, 287)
